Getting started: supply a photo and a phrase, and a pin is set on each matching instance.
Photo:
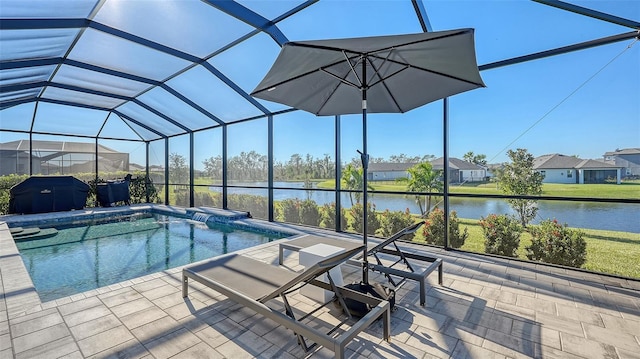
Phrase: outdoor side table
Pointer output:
(312, 255)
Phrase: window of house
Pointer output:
(569, 173)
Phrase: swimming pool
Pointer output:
(73, 258)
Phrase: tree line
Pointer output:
(517, 178)
(252, 166)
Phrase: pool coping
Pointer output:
(19, 292)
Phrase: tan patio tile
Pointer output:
(115, 298)
(133, 306)
(628, 354)
(57, 348)
(86, 315)
(172, 344)
(469, 333)
(621, 324)
(149, 285)
(274, 352)
(435, 343)
(516, 312)
(498, 295)
(95, 326)
(543, 351)
(131, 349)
(508, 345)
(5, 341)
(169, 300)
(466, 350)
(220, 332)
(534, 332)
(104, 340)
(202, 350)
(587, 348)
(40, 337)
(155, 329)
(247, 344)
(79, 305)
(614, 337)
(538, 305)
(34, 322)
(159, 292)
(394, 351)
(142, 317)
(561, 324)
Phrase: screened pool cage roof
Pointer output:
(146, 70)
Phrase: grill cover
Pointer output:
(48, 194)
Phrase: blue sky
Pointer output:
(583, 103)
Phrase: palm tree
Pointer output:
(422, 178)
(352, 178)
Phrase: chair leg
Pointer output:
(185, 286)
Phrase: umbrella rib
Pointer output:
(340, 79)
(427, 70)
(381, 79)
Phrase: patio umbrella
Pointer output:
(382, 74)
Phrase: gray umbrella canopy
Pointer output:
(382, 74)
(325, 77)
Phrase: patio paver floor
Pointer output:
(487, 308)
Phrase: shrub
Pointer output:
(6, 182)
(392, 222)
(501, 234)
(433, 229)
(554, 243)
(356, 218)
(289, 210)
(256, 205)
(329, 216)
(141, 186)
(309, 213)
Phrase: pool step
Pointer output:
(33, 233)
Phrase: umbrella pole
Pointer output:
(364, 157)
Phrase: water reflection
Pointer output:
(605, 216)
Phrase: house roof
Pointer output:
(56, 146)
(555, 161)
(390, 166)
(590, 164)
(624, 151)
(558, 161)
(455, 163)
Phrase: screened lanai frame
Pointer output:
(138, 95)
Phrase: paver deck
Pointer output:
(487, 308)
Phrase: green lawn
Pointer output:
(630, 189)
(607, 251)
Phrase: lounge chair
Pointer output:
(397, 272)
(253, 283)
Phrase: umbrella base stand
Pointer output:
(360, 309)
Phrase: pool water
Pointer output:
(93, 255)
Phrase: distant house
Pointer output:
(58, 157)
(627, 158)
(459, 170)
(388, 171)
(557, 168)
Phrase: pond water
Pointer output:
(606, 216)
